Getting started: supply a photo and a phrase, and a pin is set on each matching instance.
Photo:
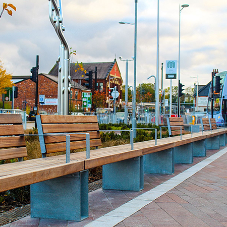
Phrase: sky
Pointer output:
(93, 30)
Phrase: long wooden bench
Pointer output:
(60, 190)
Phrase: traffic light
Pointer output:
(181, 89)
(15, 92)
(217, 85)
(110, 93)
(34, 72)
(89, 80)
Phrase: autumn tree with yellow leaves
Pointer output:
(8, 8)
(79, 66)
(5, 79)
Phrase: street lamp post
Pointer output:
(134, 87)
(181, 7)
(126, 89)
(157, 73)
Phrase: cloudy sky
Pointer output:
(92, 29)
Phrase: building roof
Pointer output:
(203, 90)
(103, 69)
(55, 79)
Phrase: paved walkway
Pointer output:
(195, 195)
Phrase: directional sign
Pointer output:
(171, 69)
(86, 99)
(115, 94)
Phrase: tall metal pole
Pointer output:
(197, 95)
(157, 74)
(55, 15)
(134, 91)
(178, 99)
(162, 98)
(126, 94)
(170, 99)
(37, 83)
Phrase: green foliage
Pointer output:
(7, 105)
(141, 134)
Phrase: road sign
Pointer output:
(86, 99)
(171, 69)
(42, 99)
(115, 94)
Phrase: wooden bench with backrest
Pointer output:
(175, 125)
(67, 124)
(12, 141)
(208, 124)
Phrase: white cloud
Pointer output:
(92, 29)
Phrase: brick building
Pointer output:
(47, 89)
(108, 76)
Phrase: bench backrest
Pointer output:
(209, 123)
(66, 124)
(12, 141)
(172, 123)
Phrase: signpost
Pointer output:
(171, 73)
(171, 69)
(86, 100)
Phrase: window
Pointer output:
(101, 87)
(76, 95)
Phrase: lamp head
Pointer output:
(120, 57)
(184, 5)
(121, 22)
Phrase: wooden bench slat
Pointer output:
(58, 119)
(176, 119)
(73, 137)
(178, 132)
(33, 176)
(16, 141)
(65, 128)
(13, 153)
(10, 119)
(173, 123)
(58, 147)
(9, 130)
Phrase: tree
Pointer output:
(6, 7)
(129, 94)
(79, 66)
(98, 99)
(145, 92)
(5, 79)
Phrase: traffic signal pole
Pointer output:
(37, 83)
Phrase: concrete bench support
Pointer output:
(213, 143)
(183, 154)
(64, 198)
(159, 162)
(199, 148)
(222, 140)
(124, 175)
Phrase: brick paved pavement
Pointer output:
(199, 201)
